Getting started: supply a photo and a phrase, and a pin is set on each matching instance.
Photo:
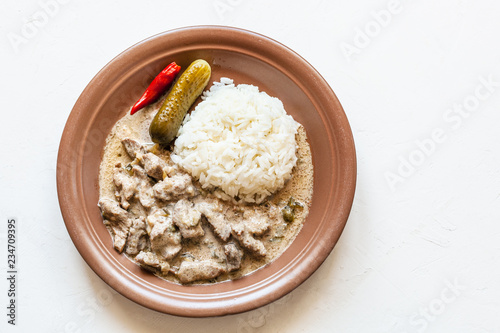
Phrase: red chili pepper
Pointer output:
(157, 87)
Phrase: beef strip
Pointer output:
(116, 220)
(150, 261)
(190, 271)
(126, 187)
(253, 223)
(138, 185)
(234, 256)
(247, 240)
(144, 187)
(165, 239)
(138, 237)
(187, 218)
(244, 223)
(175, 187)
(133, 148)
(153, 165)
(215, 212)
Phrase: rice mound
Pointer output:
(239, 140)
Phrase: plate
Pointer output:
(246, 57)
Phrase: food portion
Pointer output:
(222, 196)
(239, 140)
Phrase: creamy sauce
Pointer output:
(208, 248)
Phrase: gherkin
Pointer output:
(185, 91)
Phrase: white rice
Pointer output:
(239, 140)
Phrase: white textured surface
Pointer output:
(422, 256)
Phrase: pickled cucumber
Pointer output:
(185, 91)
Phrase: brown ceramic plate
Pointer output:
(246, 57)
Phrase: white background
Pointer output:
(421, 249)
